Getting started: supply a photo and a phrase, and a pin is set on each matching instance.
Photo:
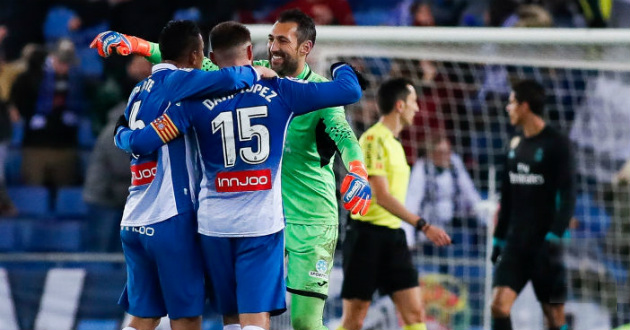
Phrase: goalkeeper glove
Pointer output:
(356, 193)
(364, 83)
(124, 44)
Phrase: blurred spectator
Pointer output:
(441, 190)
(108, 176)
(25, 89)
(323, 12)
(596, 12)
(106, 188)
(600, 129)
(566, 13)
(51, 114)
(533, 16)
(437, 13)
(6, 206)
(502, 13)
(619, 14)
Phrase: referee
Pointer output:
(375, 253)
(537, 204)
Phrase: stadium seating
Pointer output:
(70, 204)
(13, 166)
(31, 200)
(9, 241)
(52, 236)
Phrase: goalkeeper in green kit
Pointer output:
(308, 182)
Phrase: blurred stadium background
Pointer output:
(60, 269)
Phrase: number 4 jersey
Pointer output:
(241, 140)
(163, 182)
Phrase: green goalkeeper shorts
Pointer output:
(310, 250)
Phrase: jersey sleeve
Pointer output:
(503, 220)
(374, 152)
(156, 57)
(302, 96)
(174, 122)
(341, 134)
(187, 83)
(565, 182)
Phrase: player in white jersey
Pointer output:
(158, 230)
(241, 139)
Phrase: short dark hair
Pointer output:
(391, 91)
(532, 92)
(229, 34)
(306, 25)
(178, 38)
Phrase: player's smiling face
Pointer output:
(282, 48)
(513, 110)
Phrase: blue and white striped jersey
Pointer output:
(241, 138)
(164, 182)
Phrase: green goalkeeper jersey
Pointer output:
(308, 181)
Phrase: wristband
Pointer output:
(421, 223)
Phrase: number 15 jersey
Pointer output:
(241, 139)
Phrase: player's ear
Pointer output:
(250, 52)
(399, 106)
(213, 58)
(306, 47)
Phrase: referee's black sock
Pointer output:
(501, 323)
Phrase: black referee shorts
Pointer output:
(543, 267)
(375, 257)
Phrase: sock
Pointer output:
(501, 323)
(415, 326)
(252, 327)
(307, 312)
(235, 326)
(341, 328)
(564, 327)
(128, 328)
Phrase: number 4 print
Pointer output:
(246, 132)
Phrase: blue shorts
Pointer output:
(247, 273)
(164, 269)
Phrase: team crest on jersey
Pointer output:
(321, 266)
(514, 142)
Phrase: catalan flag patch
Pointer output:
(164, 127)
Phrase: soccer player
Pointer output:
(241, 139)
(537, 201)
(375, 253)
(308, 182)
(158, 228)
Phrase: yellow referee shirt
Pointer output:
(384, 156)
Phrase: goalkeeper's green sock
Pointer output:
(415, 326)
(307, 312)
(501, 323)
